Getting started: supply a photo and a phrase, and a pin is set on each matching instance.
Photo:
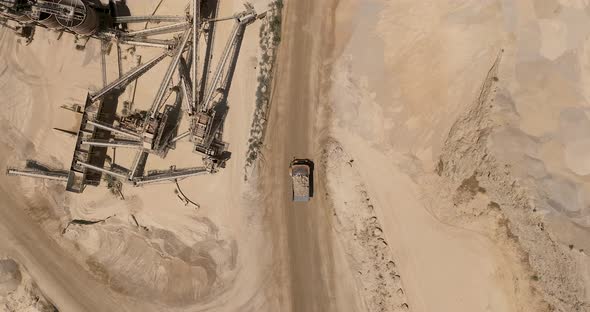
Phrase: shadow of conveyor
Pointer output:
(209, 10)
(106, 114)
(222, 107)
(173, 121)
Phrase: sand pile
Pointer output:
(18, 292)
(153, 264)
(541, 120)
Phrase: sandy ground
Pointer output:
(176, 257)
(465, 153)
(312, 262)
(450, 170)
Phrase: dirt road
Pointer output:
(295, 132)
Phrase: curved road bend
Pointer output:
(302, 231)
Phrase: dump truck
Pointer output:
(301, 171)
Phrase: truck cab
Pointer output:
(301, 172)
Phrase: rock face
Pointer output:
(154, 264)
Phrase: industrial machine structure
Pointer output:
(75, 16)
(20, 30)
(148, 132)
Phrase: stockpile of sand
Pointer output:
(18, 292)
(542, 115)
(482, 150)
(154, 264)
(151, 246)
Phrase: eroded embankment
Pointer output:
(469, 168)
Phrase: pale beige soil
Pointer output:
(179, 257)
(474, 165)
(451, 169)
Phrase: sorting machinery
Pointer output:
(148, 132)
(75, 16)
